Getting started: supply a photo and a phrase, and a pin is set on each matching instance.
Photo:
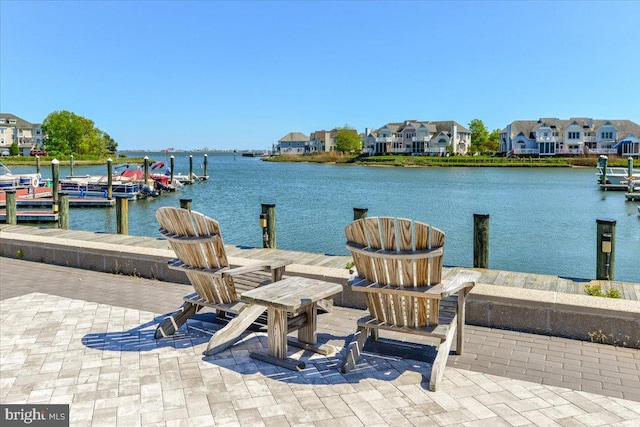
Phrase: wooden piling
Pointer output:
(11, 209)
(630, 183)
(71, 164)
(359, 213)
(269, 232)
(55, 175)
(146, 170)
(37, 164)
(185, 204)
(63, 217)
(122, 214)
(190, 166)
(480, 240)
(204, 166)
(605, 249)
(603, 177)
(171, 163)
(109, 179)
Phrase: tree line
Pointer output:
(68, 133)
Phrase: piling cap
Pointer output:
(606, 221)
(55, 161)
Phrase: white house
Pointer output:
(572, 137)
(15, 129)
(293, 143)
(415, 137)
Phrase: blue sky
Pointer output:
(241, 75)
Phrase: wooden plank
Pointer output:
(292, 293)
(294, 365)
(437, 331)
(228, 335)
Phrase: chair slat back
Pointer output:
(407, 267)
(403, 235)
(182, 224)
(197, 242)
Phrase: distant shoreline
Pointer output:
(453, 161)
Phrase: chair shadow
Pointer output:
(142, 337)
(385, 360)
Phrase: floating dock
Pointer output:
(633, 196)
(32, 216)
(80, 202)
(613, 187)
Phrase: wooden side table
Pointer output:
(299, 296)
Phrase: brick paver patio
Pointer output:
(86, 339)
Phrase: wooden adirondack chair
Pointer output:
(197, 242)
(399, 267)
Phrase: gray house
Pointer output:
(293, 143)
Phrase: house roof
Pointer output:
(529, 127)
(294, 137)
(20, 122)
(434, 127)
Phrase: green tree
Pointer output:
(479, 134)
(348, 140)
(109, 143)
(69, 133)
(493, 141)
(14, 150)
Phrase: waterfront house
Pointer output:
(293, 143)
(324, 141)
(572, 137)
(15, 129)
(414, 137)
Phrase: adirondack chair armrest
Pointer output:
(261, 266)
(362, 285)
(462, 279)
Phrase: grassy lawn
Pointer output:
(467, 161)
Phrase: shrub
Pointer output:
(596, 291)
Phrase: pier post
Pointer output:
(109, 179)
(146, 170)
(359, 213)
(55, 175)
(185, 204)
(268, 224)
(71, 164)
(37, 164)
(630, 183)
(171, 163)
(63, 215)
(603, 177)
(204, 165)
(190, 166)
(605, 249)
(11, 214)
(480, 240)
(122, 214)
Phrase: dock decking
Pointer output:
(512, 279)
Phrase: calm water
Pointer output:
(542, 220)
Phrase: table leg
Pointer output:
(307, 334)
(277, 332)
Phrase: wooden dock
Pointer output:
(512, 279)
(32, 216)
(76, 202)
(43, 197)
(633, 196)
(613, 187)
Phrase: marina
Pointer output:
(541, 220)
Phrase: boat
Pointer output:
(97, 186)
(617, 175)
(10, 181)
